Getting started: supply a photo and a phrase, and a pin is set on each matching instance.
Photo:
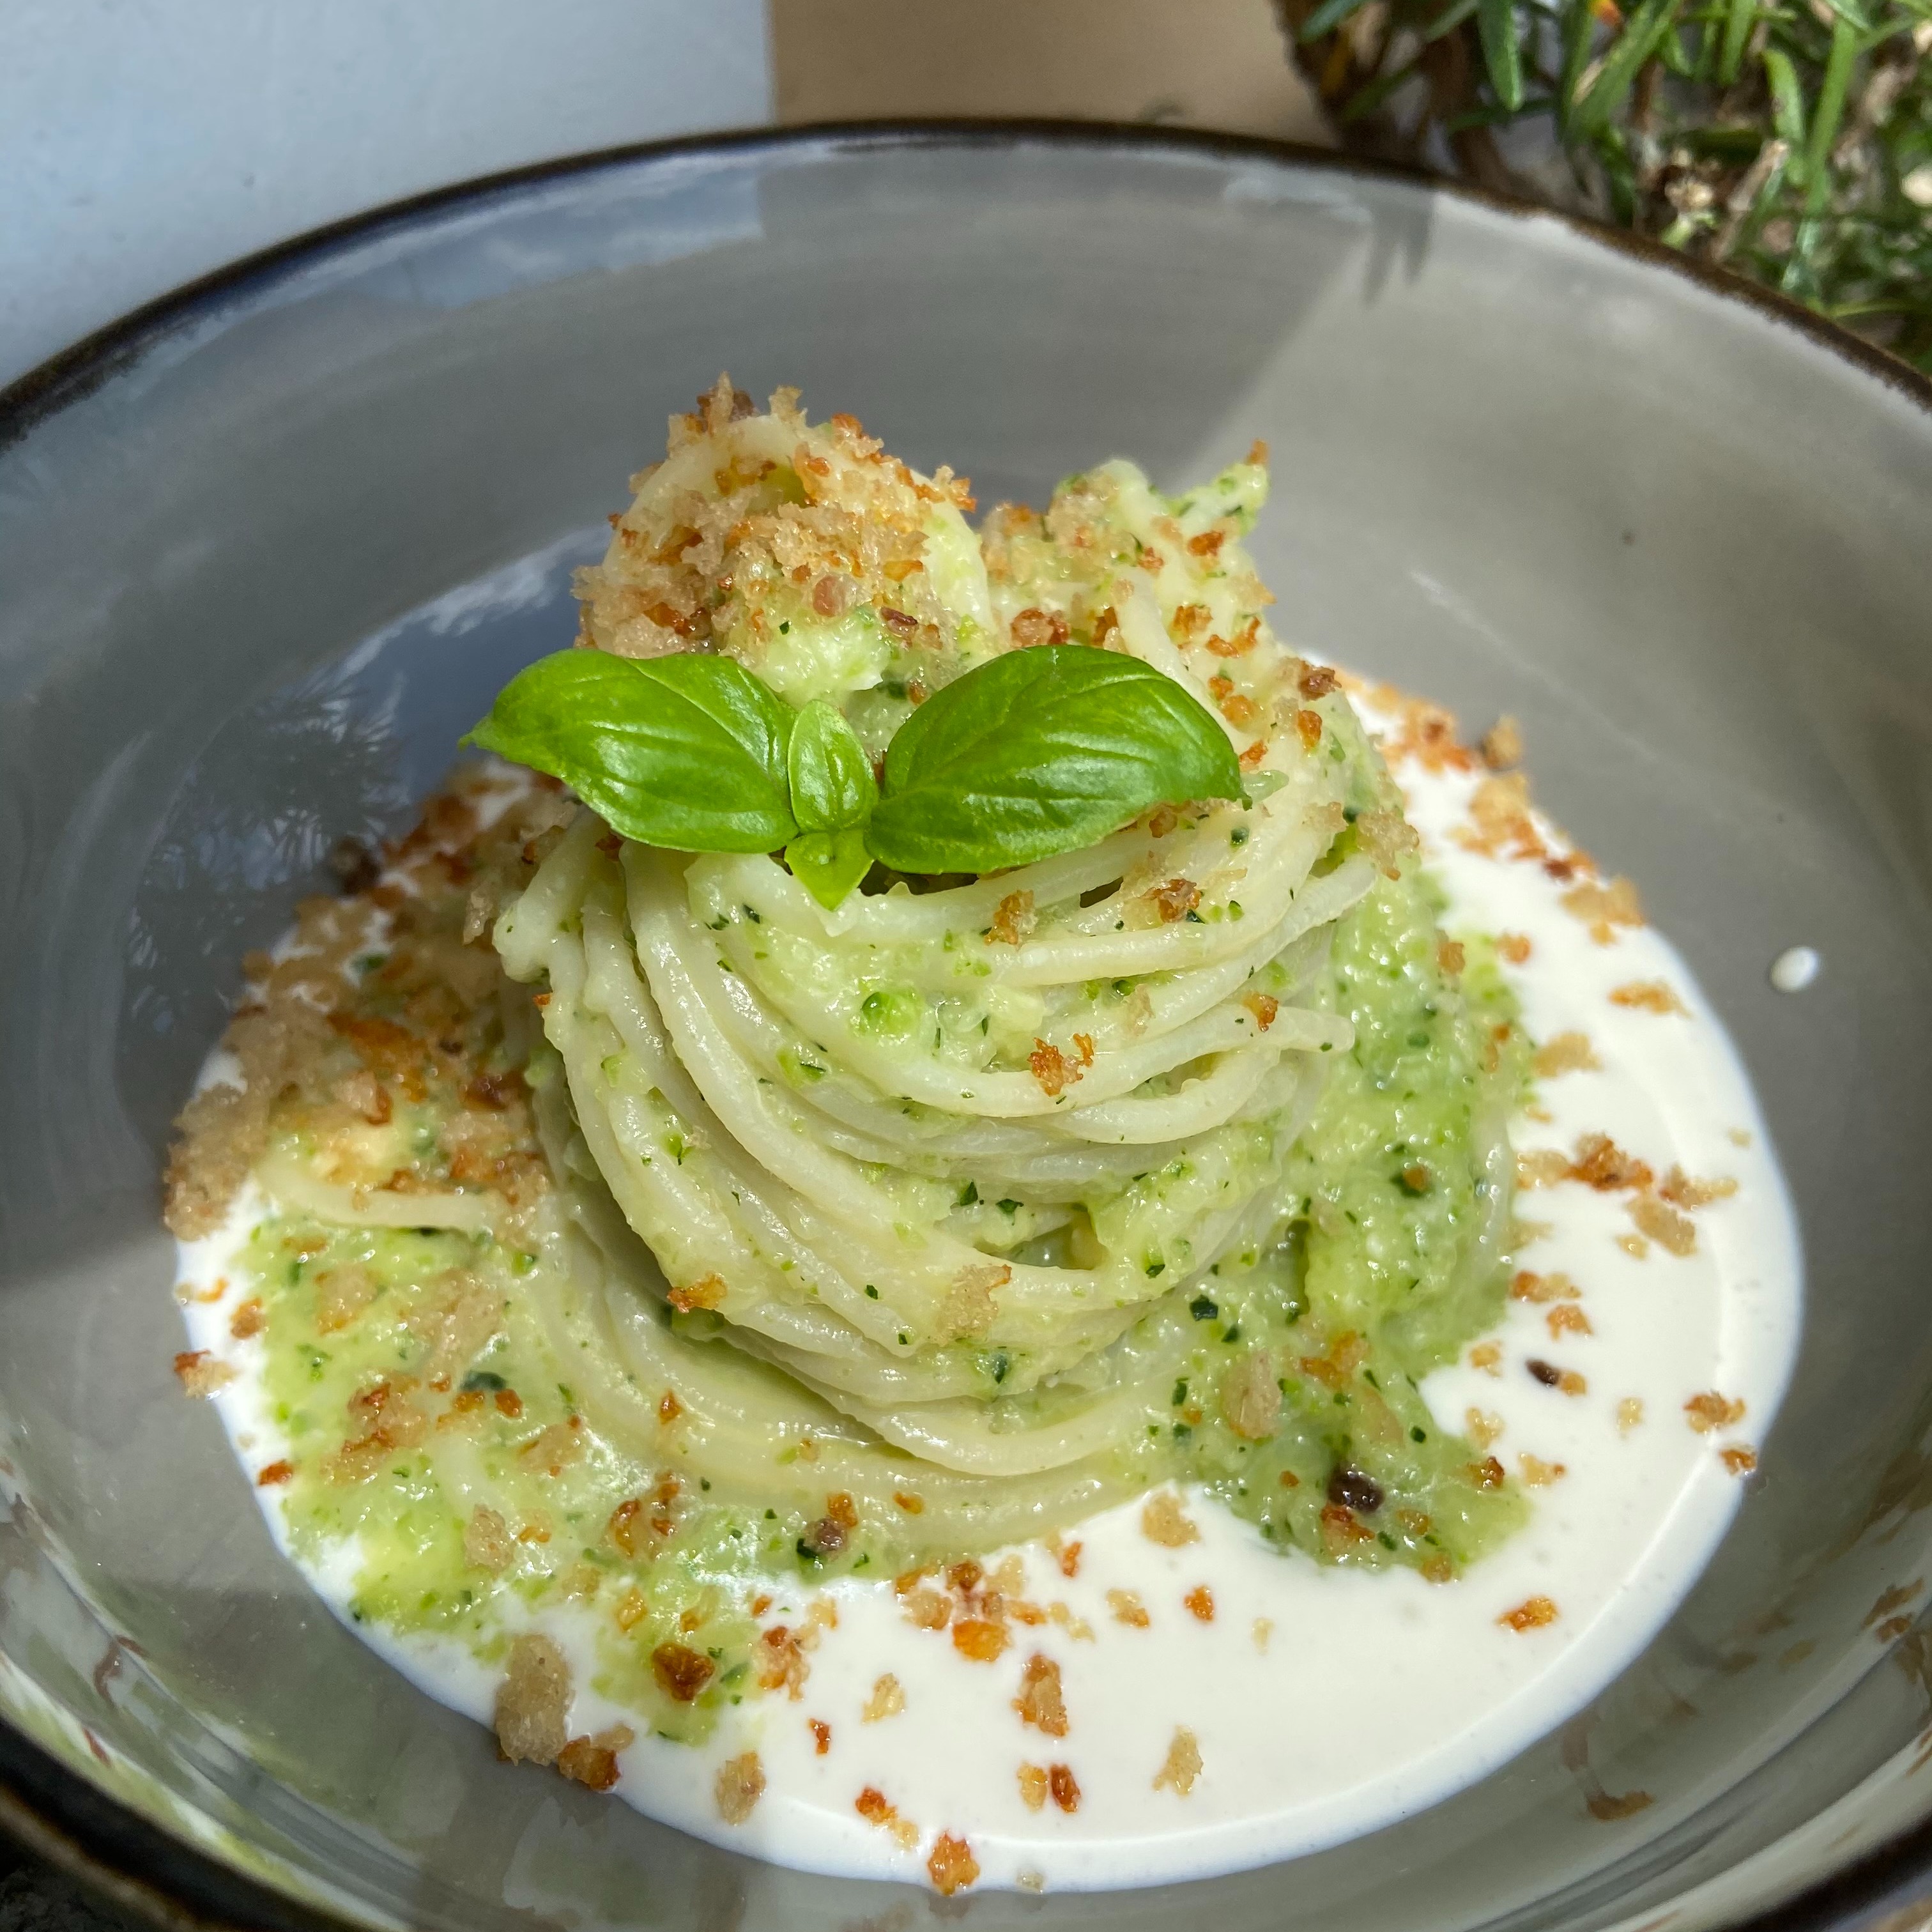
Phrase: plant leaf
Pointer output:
(832, 782)
(1787, 99)
(1642, 33)
(1041, 751)
(1829, 111)
(1740, 16)
(829, 864)
(1327, 17)
(1500, 34)
(686, 751)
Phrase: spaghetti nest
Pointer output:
(956, 1157)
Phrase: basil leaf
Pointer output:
(828, 864)
(686, 751)
(832, 783)
(1041, 751)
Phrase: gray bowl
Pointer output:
(1683, 533)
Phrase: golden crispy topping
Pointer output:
(1183, 1765)
(1567, 1053)
(1164, 1522)
(1532, 1613)
(740, 1784)
(952, 1866)
(532, 1701)
(887, 1700)
(1039, 1703)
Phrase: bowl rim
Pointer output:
(126, 1858)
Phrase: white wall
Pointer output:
(144, 142)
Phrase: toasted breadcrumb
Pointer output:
(1629, 1414)
(1532, 1613)
(199, 1373)
(1128, 1609)
(1164, 1522)
(1526, 1286)
(821, 1735)
(1567, 1053)
(486, 1542)
(593, 1761)
(970, 1307)
(1648, 996)
(341, 1294)
(1567, 1319)
(1061, 1618)
(554, 1448)
(1501, 745)
(1251, 1396)
(1501, 824)
(1014, 920)
(1387, 838)
(248, 1320)
(782, 1662)
(1481, 1426)
(1487, 1356)
(1052, 1069)
(887, 1700)
(533, 1702)
(1040, 1702)
(1711, 1410)
(1663, 1224)
(707, 1292)
(1602, 908)
(1065, 1789)
(740, 1784)
(282, 1471)
(927, 1610)
(1033, 1786)
(1687, 1191)
(979, 1640)
(1537, 1473)
(1200, 1604)
(681, 1672)
(1541, 1167)
(1740, 1460)
(1066, 1554)
(952, 1866)
(873, 1805)
(1425, 732)
(1183, 1764)
(1600, 1163)
(1635, 1245)
(1515, 947)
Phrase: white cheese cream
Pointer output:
(1320, 1703)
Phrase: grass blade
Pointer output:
(1639, 39)
(1502, 36)
(1738, 22)
(1450, 18)
(1327, 17)
(1831, 110)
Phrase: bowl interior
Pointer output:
(265, 561)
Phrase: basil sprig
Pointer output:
(1032, 753)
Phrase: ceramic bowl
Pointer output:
(1682, 532)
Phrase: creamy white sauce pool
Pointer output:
(1324, 1703)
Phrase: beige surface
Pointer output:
(1190, 63)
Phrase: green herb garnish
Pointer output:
(1032, 754)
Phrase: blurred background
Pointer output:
(143, 142)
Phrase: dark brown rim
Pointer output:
(141, 1867)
